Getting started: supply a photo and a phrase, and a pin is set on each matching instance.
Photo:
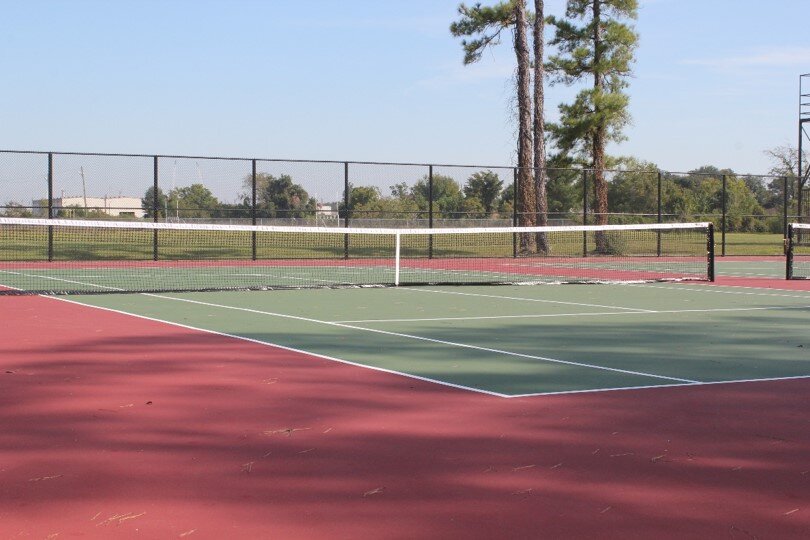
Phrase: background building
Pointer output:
(120, 206)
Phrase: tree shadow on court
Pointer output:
(114, 426)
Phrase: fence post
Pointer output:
(723, 220)
(430, 210)
(514, 210)
(584, 211)
(50, 204)
(253, 207)
(710, 250)
(785, 203)
(346, 208)
(155, 207)
(658, 250)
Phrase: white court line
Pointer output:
(60, 279)
(714, 289)
(520, 299)
(282, 347)
(708, 383)
(431, 340)
(589, 314)
(411, 376)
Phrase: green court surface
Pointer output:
(513, 341)
(753, 268)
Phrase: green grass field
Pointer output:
(750, 244)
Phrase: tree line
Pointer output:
(275, 197)
(752, 204)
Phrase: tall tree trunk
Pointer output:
(540, 173)
(599, 135)
(526, 192)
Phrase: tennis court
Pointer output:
(666, 409)
(516, 341)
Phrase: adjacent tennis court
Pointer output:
(669, 409)
(517, 341)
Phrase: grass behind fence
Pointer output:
(79, 244)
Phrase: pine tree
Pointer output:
(540, 173)
(486, 23)
(602, 48)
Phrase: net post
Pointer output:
(346, 188)
(658, 249)
(723, 222)
(397, 247)
(584, 211)
(253, 208)
(710, 251)
(789, 253)
(50, 205)
(514, 211)
(155, 205)
(430, 210)
(785, 210)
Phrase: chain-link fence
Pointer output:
(750, 212)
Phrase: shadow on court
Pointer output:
(112, 426)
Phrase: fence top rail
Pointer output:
(721, 174)
(388, 163)
(233, 158)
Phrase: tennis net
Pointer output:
(798, 251)
(52, 256)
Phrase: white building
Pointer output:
(325, 211)
(119, 206)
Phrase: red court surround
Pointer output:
(117, 427)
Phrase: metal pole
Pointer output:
(514, 211)
(799, 177)
(430, 210)
(785, 202)
(253, 208)
(50, 205)
(584, 211)
(710, 251)
(397, 257)
(346, 199)
(658, 251)
(155, 205)
(723, 221)
(789, 253)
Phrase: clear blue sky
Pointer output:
(715, 82)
